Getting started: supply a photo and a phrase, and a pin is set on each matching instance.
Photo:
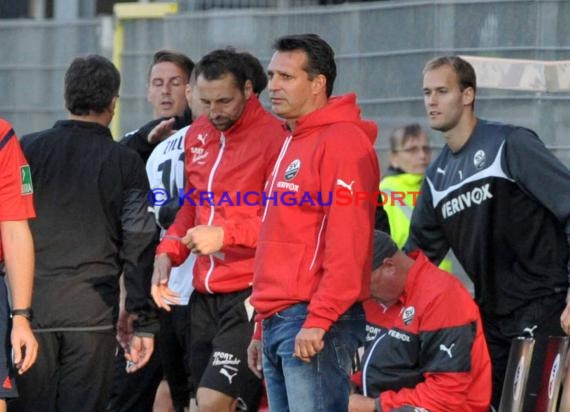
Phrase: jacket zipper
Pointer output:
(275, 170)
(212, 207)
(318, 242)
(365, 367)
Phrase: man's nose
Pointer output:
(273, 83)
(166, 88)
(214, 109)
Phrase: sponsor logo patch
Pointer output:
(466, 200)
(447, 350)
(398, 335)
(27, 187)
(371, 332)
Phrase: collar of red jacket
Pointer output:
(252, 112)
(420, 261)
(339, 109)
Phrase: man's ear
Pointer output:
(319, 84)
(393, 159)
(148, 93)
(468, 96)
(188, 93)
(248, 89)
(389, 266)
(112, 106)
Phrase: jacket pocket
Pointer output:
(277, 268)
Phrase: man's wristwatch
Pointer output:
(26, 313)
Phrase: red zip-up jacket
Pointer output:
(428, 349)
(16, 192)
(317, 252)
(228, 165)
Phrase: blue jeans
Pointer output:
(322, 385)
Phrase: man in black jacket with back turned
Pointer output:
(92, 225)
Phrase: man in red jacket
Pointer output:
(425, 346)
(17, 255)
(312, 264)
(230, 151)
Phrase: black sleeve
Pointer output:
(138, 141)
(425, 231)
(184, 120)
(139, 241)
(539, 173)
(381, 221)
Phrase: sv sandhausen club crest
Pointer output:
(408, 315)
(479, 159)
(293, 169)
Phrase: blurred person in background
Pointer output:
(410, 155)
(167, 79)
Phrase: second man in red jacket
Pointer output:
(230, 151)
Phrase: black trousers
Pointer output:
(174, 342)
(73, 372)
(543, 313)
(136, 391)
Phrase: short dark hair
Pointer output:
(320, 55)
(256, 73)
(463, 69)
(91, 83)
(401, 135)
(171, 56)
(218, 63)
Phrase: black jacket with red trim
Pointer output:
(427, 350)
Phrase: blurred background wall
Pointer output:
(381, 47)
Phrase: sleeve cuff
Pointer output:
(377, 404)
(257, 330)
(227, 227)
(146, 323)
(316, 322)
(174, 252)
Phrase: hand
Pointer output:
(565, 319)
(254, 354)
(205, 239)
(139, 352)
(24, 344)
(359, 403)
(165, 295)
(124, 328)
(159, 284)
(161, 131)
(308, 342)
